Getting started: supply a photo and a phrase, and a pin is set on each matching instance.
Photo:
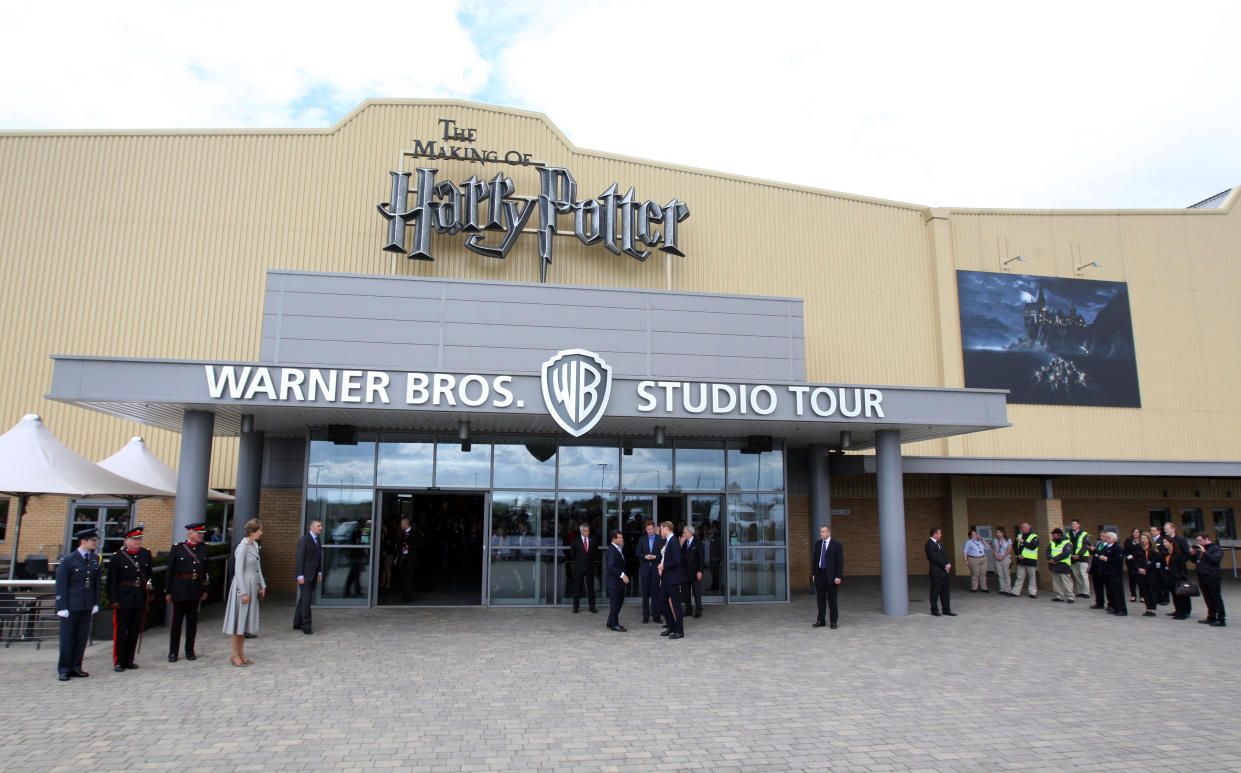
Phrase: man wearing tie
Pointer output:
(615, 580)
(648, 548)
(309, 573)
(828, 560)
(78, 592)
(693, 560)
(940, 569)
(579, 556)
(671, 575)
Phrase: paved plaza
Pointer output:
(1010, 684)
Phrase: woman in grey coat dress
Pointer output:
(241, 615)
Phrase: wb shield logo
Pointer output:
(576, 387)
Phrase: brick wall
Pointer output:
(155, 515)
(858, 533)
(280, 510)
(43, 528)
(799, 539)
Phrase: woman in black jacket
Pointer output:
(1147, 561)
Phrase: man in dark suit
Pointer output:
(404, 556)
(828, 561)
(309, 572)
(615, 580)
(671, 575)
(580, 559)
(693, 560)
(186, 588)
(941, 568)
(78, 592)
(648, 548)
(129, 575)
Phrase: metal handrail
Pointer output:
(32, 614)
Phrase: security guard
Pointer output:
(1081, 559)
(1027, 562)
(1060, 559)
(129, 583)
(186, 588)
(78, 591)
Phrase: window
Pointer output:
(111, 519)
(1191, 522)
(1225, 524)
(1160, 516)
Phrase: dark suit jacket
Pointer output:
(123, 571)
(615, 564)
(692, 558)
(938, 558)
(835, 558)
(78, 586)
(578, 556)
(309, 558)
(674, 570)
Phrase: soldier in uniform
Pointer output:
(129, 576)
(186, 588)
(78, 591)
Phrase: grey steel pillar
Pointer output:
(249, 477)
(820, 490)
(895, 576)
(196, 430)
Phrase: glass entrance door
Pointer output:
(440, 560)
(706, 516)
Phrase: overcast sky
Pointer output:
(989, 104)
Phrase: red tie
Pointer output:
(585, 544)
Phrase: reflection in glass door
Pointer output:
(705, 511)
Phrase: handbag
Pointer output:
(1186, 588)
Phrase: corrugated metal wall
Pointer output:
(155, 245)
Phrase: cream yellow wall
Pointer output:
(147, 244)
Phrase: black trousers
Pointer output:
(1150, 595)
(305, 595)
(405, 577)
(187, 611)
(584, 578)
(649, 576)
(1098, 583)
(940, 594)
(1181, 605)
(691, 593)
(127, 625)
(74, 631)
(674, 617)
(1115, 584)
(616, 598)
(825, 590)
(1210, 587)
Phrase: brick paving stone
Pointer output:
(751, 687)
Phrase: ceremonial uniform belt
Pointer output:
(180, 576)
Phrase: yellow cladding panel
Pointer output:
(155, 244)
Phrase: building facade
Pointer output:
(447, 311)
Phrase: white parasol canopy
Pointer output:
(136, 462)
(33, 461)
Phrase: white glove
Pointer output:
(63, 613)
(94, 609)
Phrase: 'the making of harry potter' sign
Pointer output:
(621, 222)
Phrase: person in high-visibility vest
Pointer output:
(1027, 561)
(1081, 559)
(1060, 558)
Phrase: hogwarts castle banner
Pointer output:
(1048, 340)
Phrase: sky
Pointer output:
(1073, 105)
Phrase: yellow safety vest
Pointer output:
(1078, 549)
(1059, 551)
(1028, 553)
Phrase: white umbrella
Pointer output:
(33, 462)
(136, 462)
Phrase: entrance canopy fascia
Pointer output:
(159, 392)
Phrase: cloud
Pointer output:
(223, 64)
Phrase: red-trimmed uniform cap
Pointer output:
(134, 533)
(198, 527)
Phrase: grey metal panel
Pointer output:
(528, 361)
(539, 315)
(395, 331)
(359, 285)
(994, 466)
(722, 345)
(677, 320)
(504, 292)
(588, 336)
(271, 325)
(719, 367)
(374, 307)
(360, 354)
(725, 304)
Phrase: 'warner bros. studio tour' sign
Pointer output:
(619, 221)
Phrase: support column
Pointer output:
(892, 561)
(195, 470)
(1048, 515)
(820, 490)
(249, 477)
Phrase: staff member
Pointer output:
(975, 551)
(1177, 570)
(940, 568)
(1081, 559)
(186, 588)
(309, 572)
(828, 559)
(78, 592)
(648, 549)
(671, 575)
(694, 561)
(1060, 560)
(129, 591)
(1027, 562)
(615, 580)
(1112, 569)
